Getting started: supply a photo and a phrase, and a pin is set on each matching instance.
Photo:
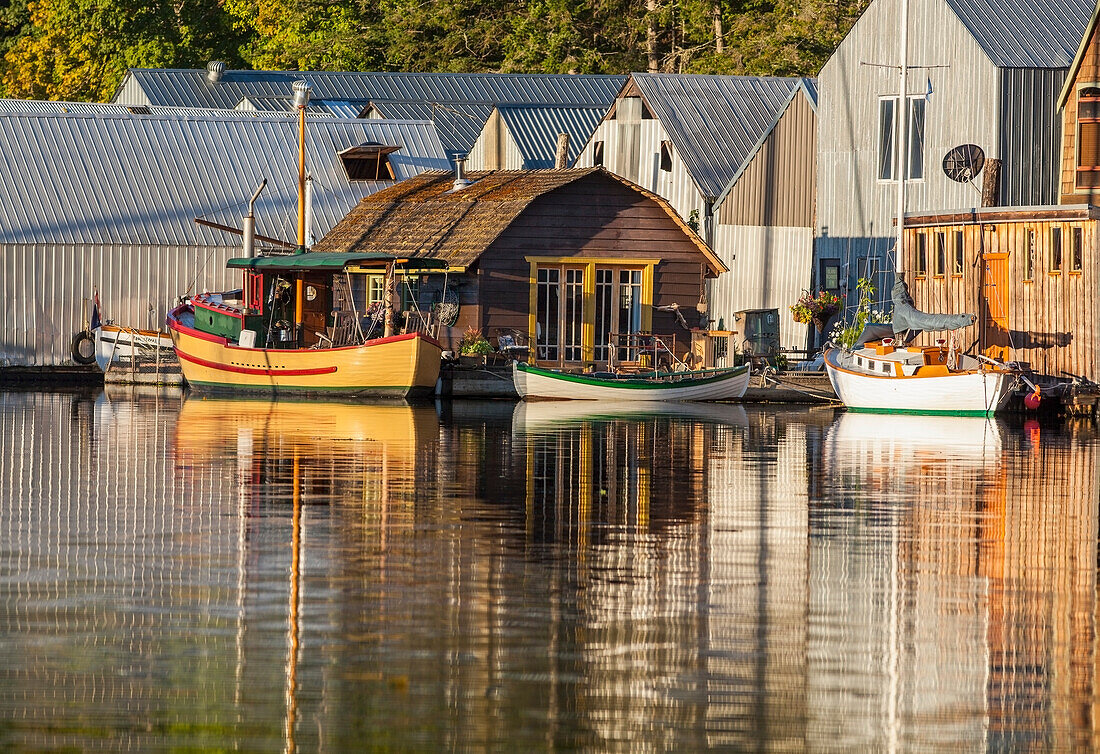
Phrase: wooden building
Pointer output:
(735, 157)
(566, 258)
(1030, 274)
(986, 74)
(1079, 107)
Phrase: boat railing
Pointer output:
(643, 351)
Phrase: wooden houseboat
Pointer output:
(570, 266)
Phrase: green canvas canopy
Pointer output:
(329, 261)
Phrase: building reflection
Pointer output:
(307, 576)
(961, 555)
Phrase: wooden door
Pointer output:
(994, 302)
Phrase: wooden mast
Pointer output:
(301, 99)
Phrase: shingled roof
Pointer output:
(424, 217)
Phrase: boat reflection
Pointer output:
(962, 555)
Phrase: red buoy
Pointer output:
(1032, 399)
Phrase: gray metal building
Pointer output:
(522, 137)
(735, 157)
(458, 103)
(109, 201)
(986, 74)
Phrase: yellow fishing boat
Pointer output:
(263, 339)
(294, 328)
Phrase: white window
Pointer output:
(887, 139)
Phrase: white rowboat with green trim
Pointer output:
(699, 385)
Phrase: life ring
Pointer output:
(81, 353)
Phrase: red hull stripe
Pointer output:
(253, 370)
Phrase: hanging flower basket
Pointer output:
(816, 308)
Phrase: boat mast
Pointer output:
(902, 114)
(301, 99)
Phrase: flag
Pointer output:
(95, 311)
(928, 92)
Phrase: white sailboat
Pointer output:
(890, 376)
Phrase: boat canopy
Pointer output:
(330, 261)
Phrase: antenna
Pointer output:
(963, 163)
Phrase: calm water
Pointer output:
(192, 574)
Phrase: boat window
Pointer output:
(1055, 263)
(1077, 250)
(886, 367)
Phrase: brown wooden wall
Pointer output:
(1088, 73)
(1051, 320)
(597, 217)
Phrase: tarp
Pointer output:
(908, 321)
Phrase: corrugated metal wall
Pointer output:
(769, 268)
(779, 185)
(1031, 136)
(676, 185)
(43, 287)
(963, 108)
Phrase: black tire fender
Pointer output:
(83, 348)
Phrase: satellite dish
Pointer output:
(964, 162)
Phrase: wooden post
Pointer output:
(991, 183)
(387, 301)
(561, 159)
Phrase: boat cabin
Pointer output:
(890, 360)
(312, 300)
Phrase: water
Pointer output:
(192, 574)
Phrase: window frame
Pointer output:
(939, 254)
(917, 114)
(958, 254)
(1077, 250)
(1029, 256)
(1087, 93)
(920, 256)
(1055, 251)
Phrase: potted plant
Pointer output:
(474, 345)
(817, 308)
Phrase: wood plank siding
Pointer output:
(1087, 76)
(591, 219)
(1047, 317)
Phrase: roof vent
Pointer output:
(215, 69)
(461, 181)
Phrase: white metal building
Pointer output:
(108, 202)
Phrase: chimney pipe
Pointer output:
(461, 181)
(561, 159)
(250, 223)
(215, 69)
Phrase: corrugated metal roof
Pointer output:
(459, 124)
(716, 122)
(101, 108)
(536, 130)
(1026, 33)
(124, 179)
(456, 96)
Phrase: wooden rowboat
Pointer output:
(699, 385)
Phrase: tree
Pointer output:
(79, 49)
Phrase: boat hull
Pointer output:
(401, 366)
(712, 385)
(115, 345)
(971, 393)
